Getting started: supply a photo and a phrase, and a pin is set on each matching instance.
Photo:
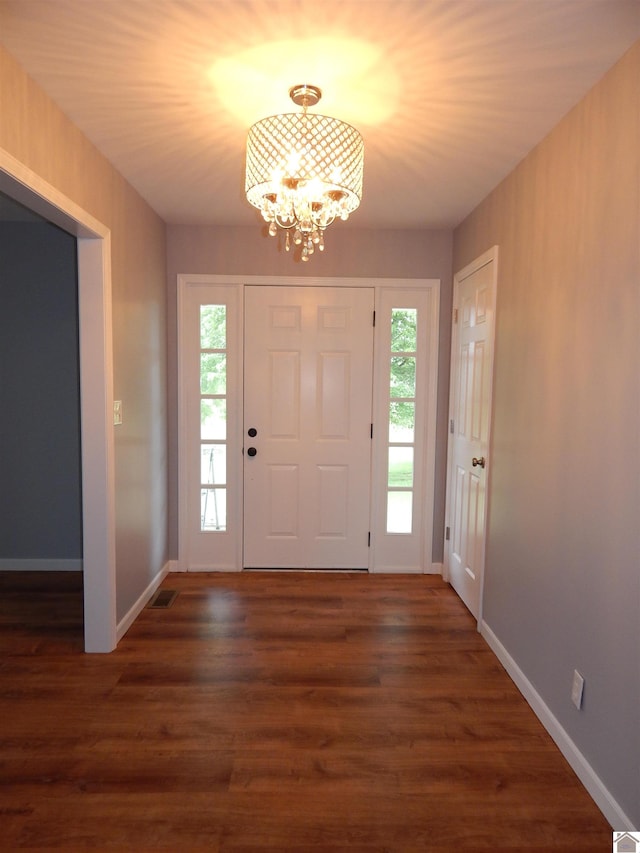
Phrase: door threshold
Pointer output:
(294, 569)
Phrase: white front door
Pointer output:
(302, 362)
(307, 426)
(470, 413)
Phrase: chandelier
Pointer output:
(304, 171)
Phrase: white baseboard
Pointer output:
(583, 770)
(32, 564)
(127, 621)
(436, 569)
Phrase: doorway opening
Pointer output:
(96, 391)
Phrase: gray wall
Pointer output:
(35, 132)
(351, 253)
(40, 494)
(562, 586)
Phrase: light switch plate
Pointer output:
(577, 689)
(117, 412)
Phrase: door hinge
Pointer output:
(451, 426)
(374, 318)
(455, 315)
(371, 430)
(369, 539)
(447, 534)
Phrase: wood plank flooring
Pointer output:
(274, 712)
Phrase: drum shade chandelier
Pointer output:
(304, 171)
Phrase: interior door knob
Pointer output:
(252, 432)
(478, 462)
(251, 451)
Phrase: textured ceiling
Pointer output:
(449, 94)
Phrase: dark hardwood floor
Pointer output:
(274, 712)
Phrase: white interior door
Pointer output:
(471, 379)
(307, 426)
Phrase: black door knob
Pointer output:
(252, 432)
(251, 451)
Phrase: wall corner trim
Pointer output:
(129, 618)
(581, 767)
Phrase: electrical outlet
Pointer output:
(577, 689)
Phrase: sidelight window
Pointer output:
(401, 417)
(213, 418)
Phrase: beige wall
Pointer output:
(35, 132)
(350, 252)
(562, 586)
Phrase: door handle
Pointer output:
(252, 432)
(251, 451)
(478, 462)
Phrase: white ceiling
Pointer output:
(449, 94)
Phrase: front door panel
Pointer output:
(307, 396)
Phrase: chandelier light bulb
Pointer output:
(304, 171)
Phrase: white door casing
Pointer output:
(307, 395)
(204, 548)
(472, 346)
